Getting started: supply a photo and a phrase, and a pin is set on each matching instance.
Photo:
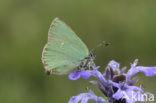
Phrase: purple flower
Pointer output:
(85, 97)
(115, 84)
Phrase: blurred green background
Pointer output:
(130, 27)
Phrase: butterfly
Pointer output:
(64, 51)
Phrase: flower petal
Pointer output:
(133, 81)
(134, 96)
(84, 97)
(85, 74)
(134, 64)
(135, 88)
(130, 96)
(115, 84)
(118, 95)
(74, 75)
(148, 71)
(96, 68)
(114, 65)
(85, 100)
(74, 99)
(98, 85)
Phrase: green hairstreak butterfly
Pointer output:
(65, 51)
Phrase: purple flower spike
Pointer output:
(85, 97)
(115, 84)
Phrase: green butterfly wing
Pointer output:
(64, 49)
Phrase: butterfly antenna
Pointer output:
(103, 43)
